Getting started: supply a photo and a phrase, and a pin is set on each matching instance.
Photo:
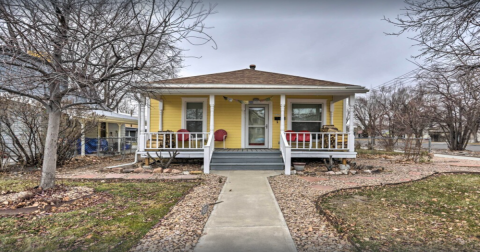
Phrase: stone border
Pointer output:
(334, 221)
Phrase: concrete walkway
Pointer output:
(248, 219)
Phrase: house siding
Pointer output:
(228, 115)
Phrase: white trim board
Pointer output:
(305, 101)
(195, 99)
(270, 123)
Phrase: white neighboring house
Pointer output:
(111, 125)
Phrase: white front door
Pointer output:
(257, 126)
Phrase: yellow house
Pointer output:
(268, 119)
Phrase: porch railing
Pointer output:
(208, 153)
(286, 150)
(175, 140)
(318, 140)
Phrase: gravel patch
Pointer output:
(70, 193)
(296, 196)
(182, 227)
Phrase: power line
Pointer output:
(401, 77)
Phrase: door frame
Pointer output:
(269, 120)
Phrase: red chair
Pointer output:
(291, 137)
(220, 135)
(183, 137)
(304, 138)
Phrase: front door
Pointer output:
(257, 126)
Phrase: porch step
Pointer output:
(261, 160)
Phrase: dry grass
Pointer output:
(116, 225)
(438, 214)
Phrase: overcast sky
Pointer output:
(341, 40)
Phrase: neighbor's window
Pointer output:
(306, 117)
(194, 116)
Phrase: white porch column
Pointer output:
(148, 114)
(141, 126)
(212, 107)
(332, 110)
(160, 116)
(82, 144)
(99, 134)
(351, 136)
(120, 136)
(282, 113)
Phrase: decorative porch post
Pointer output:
(332, 110)
(212, 107)
(148, 113)
(351, 136)
(119, 134)
(282, 113)
(160, 118)
(141, 126)
(82, 144)
(287, 149)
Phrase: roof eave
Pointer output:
(266, 91)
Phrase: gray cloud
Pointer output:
(340, 41)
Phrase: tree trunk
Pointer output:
(50, 155)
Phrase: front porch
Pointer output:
(292, 145)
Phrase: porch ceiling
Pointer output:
(111, 117)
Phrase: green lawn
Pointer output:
(115, 225)
(438, 214)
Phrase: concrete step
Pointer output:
(246, 166)
(241, 154)
(253, 159)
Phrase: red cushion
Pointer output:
(219, 134)
(307, 136)
(290, 136)
(183, 137)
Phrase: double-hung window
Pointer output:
(194, 117)
(306, 116)
(194, 114)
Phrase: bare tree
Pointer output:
(23, 127)
(446, 31)
(366, 113)
(70, 53)
(455, 103)
(414, 113)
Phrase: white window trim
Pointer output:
(184, 108)
(305, 101)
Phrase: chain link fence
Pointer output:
(400, 145)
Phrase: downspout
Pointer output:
(134, 162)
